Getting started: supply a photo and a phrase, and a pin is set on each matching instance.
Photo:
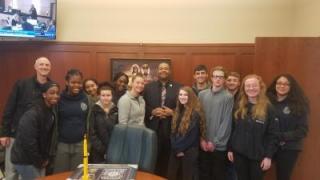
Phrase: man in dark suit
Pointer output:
(161, 98)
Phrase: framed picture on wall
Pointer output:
(146, 67)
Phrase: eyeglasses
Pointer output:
(217, 77)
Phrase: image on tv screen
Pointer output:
(28, 18)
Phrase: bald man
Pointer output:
(161, 98)
(24, 92)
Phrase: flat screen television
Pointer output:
(31, 19)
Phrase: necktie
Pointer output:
(163, 95)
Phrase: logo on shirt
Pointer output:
(83, 106)
(286, 110)
(259, 121)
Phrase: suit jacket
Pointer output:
(152, 97)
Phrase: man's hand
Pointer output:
(158, 112)
(5, 141)
(167, 111)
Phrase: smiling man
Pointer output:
(200, 75)
(233, 83)
(161, 97)
(217, 104)
(22, 95)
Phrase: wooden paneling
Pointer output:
(301, 58)
(93, 59)
(268, 57)
(63, 61)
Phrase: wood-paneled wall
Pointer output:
(93, 59)
(267, 57)
(301, 58)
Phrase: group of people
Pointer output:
(220, 128)
(28, 21)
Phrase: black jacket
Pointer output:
(22, 95)
(293, 128)
(181, 143)
(33, 140)
(255, 138)
(74, 115)
(100, 131)
(152, 97)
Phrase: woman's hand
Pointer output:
(265, 164)
(203, 145)
(230, 156)
(180, 154)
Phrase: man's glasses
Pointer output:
(217, 77)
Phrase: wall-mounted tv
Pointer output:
(28, 19)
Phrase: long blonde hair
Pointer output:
(259, 109)
(193, 104)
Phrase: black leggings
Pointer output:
(285, 161)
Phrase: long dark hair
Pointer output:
(297, 100)
(89, 79)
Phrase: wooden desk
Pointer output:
(140, 176)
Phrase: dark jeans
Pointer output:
(28, 172)
(285, 161)
(184, 168)
(212, 165)
(247, 169)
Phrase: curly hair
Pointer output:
(193, 104)
(70, 73)
(260, 108)
(120, 74)
(297, 100)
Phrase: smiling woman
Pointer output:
(292, 109)
(90, 86)
(31, 149)
(131, 105)
(74, 110)
(253, 139)
(187, 129)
